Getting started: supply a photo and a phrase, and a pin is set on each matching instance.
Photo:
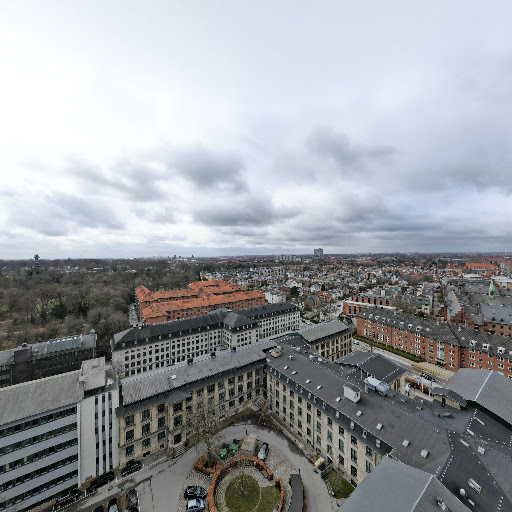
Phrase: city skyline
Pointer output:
(135, 130)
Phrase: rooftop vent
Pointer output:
(297, 349)
(319, 386)
(319, 359)
(173, 377)
(294, 372)
(485, 346)
(311, 357)
(379, 426)
(501, 350)
(338, 398)
(308, 381)
(406, 443)
(424, 453)
(358, 413)
(286, 367)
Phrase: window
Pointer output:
(341, 460)
(161, 421)
(353, 455)
(129, 435)
(308, 432)
(369, 467)
(329, 422)
(329, 436)
(145, 429)
(318, 440)
(341, 445)
(177, 407)
(353, 440)
(161, 408)
(129, 420)
(161, 436)
(146, 443)
(130, 450)
(177, 421)
(146, 414)
(341, 431)
(210, 388)
(353, 471)
(318, 427)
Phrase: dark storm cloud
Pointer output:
(60, 214)
(243, 211)
(207, 169)
(327, 143)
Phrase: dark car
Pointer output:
(68, 497)
(428, 377)
(112, 505)
(132, 497)
(99, 509)
(262, 454)
(194, 491)
(101, 481)
(131, 467)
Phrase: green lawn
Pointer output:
(340, 487)
(251, 497)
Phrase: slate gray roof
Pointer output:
(324, 330)
(496, 314)
(440, 331)
(38, 396)
(65, 343)
(487, 388)
(395, 487)
(218, 318)
(165, 380)
(373, 364)
(397, 414)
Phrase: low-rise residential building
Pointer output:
(354, 424)
(35, 361)
(158, 408)
(55, 433)
(437, 342)
(145, 348)
(331, 340)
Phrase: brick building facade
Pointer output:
(440, 343)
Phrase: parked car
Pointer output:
(132, 497)
(262, 454)
(355, 342)
(196, 505)
(101, 481)
(194, 491)
(99, 509)
(112, 505)
(68, 497)
(428, 377)
(131, 467)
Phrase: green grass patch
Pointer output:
(242, 494)
(397, 351)
(340, 487)
(270, 497)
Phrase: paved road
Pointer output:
(160, 482)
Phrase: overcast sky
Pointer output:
(142, 128)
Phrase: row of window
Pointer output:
(36, 422)
(38, 490)
(146, 443)
(37, 473)
(37, 439)
(38, 455)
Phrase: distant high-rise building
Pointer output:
(318, 253)
(36, 262)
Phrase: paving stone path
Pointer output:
(277, 462)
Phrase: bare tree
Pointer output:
(204, 425)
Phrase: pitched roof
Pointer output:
(165, 380)
(39, 396)
(488, 388)
(323, 330)
(373, 364)
(396, 487)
